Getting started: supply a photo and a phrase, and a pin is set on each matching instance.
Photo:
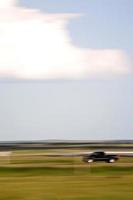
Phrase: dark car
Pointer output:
(100, 156)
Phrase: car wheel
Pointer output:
(111, 160)
(90, 160)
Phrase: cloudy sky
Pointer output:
(66, 69)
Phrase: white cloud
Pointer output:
(37, 45)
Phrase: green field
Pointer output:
(38, 178)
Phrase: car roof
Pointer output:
(95, 152)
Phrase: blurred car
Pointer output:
(100, 156)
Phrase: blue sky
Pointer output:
(67, 110)
(78, 105)
(104, 24)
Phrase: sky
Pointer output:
(66, 69)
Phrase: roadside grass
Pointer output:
(64, 179)
(57, 184)
(65, 171)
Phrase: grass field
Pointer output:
(38, 178)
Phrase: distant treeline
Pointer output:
(25, 145)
